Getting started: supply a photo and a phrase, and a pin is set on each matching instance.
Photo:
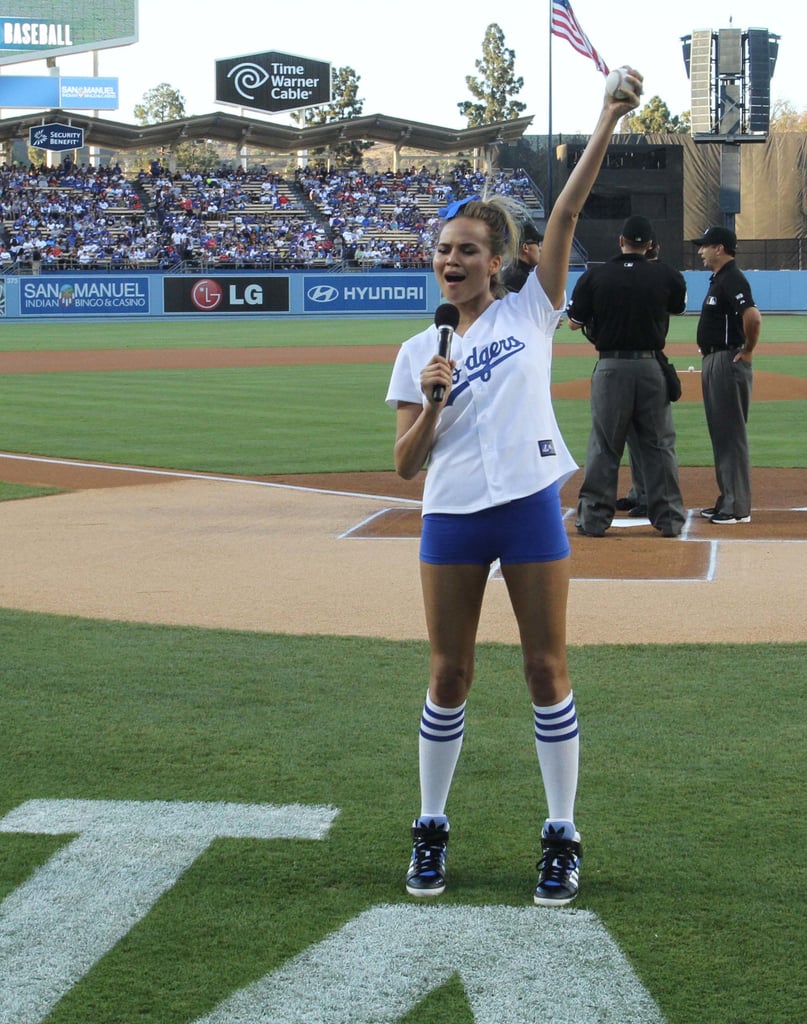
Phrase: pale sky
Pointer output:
(412, 59)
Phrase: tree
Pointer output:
(162, 103)
(785, 118)
(654, 118)
(497, 84)
(345, 105)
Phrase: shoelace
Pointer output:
(557, 862)
(429, 850)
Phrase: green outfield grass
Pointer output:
(690, 802)
(234, 333)
(69, 335)
(269, 420)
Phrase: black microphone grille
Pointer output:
(447, 315)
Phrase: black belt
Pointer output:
(642, 353)
(718, 348)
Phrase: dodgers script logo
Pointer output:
(480, 362)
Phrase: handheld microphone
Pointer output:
(446, 320)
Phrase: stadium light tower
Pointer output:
(730, 73)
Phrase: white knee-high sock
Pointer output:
(557, 742)
(439, 745)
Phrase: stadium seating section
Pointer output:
(73, 218)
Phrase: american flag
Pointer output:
(565, 25)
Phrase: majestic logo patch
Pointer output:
(546, 448)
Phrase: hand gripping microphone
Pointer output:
(446, 320)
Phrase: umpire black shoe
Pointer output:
(427, 868)
(727, 519)
(588, 533)
(638, 512)
(559, 866)
(707, 513)
(624, 504)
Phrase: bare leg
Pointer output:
(452, 597)
(539, 592)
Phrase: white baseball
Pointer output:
(614, 82)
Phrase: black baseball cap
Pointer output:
(530, 233)
(637, 229)
(718, 236)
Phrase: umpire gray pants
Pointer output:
(726, 386)
(625, 393)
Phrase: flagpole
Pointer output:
(549, 196)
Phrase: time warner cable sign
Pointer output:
(84, 296)
(273, 81)
(365, 293)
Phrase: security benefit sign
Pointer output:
(55, 137)
(273, 81)
(226, 294)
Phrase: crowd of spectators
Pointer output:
(72, 217)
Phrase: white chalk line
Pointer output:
(172, 474)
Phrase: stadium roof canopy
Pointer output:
(277, 138)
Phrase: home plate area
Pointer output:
(631, 549)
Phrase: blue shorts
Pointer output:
(525, 530)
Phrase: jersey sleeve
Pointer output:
(536, 305)
(678, 293)
(404, 385)
(580, 304)
(737, 294)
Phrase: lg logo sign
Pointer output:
(207, 295)
(226, 294)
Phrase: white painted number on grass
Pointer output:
(518, 965)
(93, 891)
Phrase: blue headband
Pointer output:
(454, 208)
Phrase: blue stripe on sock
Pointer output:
(556, 726)
(442, 726)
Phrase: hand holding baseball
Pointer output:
(624, 84)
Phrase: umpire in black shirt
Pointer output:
(624, 306)
(728, 332)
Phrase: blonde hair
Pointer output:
(503, 216)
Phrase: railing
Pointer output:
(202, 265)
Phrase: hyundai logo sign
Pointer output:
(323, 293)
(367, 293)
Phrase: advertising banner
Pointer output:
(89, 93)
(82, 295)
(366, 293)
(37, 91)
(226, 294)
(35, 29)
(55, 137)
(273, 81)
